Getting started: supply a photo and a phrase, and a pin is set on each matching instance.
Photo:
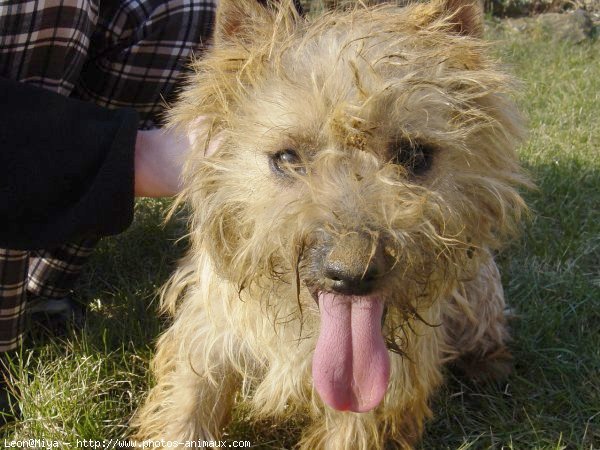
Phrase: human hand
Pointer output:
(159, 158)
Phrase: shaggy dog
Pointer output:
(341, 233)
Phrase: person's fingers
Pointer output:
(159, 158)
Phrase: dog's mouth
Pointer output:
(351, 365)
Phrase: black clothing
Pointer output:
(66, 168)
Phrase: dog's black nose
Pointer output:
(346, 282)
(354, 264)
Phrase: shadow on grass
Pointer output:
(122, 281)
(552, 281)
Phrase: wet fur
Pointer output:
(343, 89)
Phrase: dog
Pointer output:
(342, 232)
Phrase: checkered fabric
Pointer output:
(13, 278)
(115, 53)
(53, 272)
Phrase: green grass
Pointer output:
(551, 275)
(87, 384)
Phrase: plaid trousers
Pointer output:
(117, 53)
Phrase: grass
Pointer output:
(86, 384)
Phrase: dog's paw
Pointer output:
(493, 367)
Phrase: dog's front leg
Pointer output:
(476, 329)
(194, 393)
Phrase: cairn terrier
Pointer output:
(342, 231)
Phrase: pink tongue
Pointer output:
(351, 366)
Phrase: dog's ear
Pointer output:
(247, 20)
(236, 17)
(465, 15)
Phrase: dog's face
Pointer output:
(365, 158)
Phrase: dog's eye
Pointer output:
(415, 157)
(287, 160)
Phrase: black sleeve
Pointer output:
(66, 168)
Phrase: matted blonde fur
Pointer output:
(344, 90)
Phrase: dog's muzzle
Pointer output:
(351, 365)
(354, 265)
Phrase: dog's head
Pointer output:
(364, 159)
